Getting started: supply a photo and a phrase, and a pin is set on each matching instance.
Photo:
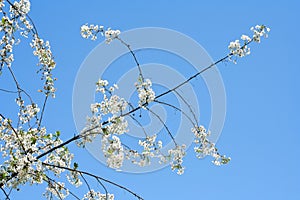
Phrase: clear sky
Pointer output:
(261, 132)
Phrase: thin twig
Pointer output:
(42, 113)
(166, 127)
(8, 91)
(6, 195)
(87, 184)
(97, 177)
(134, 57)
(106, 192)
(180, 110)
(141, 126)
(189, 106)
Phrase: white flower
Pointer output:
(176, 156)
(145, 91)
(151, 149)
(113, 151)
(205, 147)
(23, 6)
(92, 195)
(92, 31)
(260, 31)
(237, 50)
(111, 34)
(246, 38)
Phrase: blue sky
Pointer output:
(261, 132)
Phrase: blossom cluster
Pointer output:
(9, 25)
(205, 147)
(111, 34)
(260, 31)
(28, 112)
(151, 149)
(107, 109)
(7, 41)
(176, 156)
(73, 178)
(46, 62)
(113, 151)
(23, 7)
(92, 195)
(58, 189)
(91, 31)
(145, 91)
(239, 49)
(20, 152)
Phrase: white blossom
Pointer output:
(111, 34)
(260, 31)
(238, 49)
(91, 31)
(58, 189)
(145, 91)
(43, 51)
(28, 112)
(92, 195)
(204, 147)
(73, 178)
(246, 38)
(113, 151)
(151, 149)
(176, 155)
(22, 6)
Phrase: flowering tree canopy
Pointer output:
(31, 154)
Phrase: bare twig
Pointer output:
(166, 127)
(5, 193)
(134, 57)
(97, 177)
(176, 108)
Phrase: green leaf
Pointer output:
(57, 133)
(33, 140)
(105, 131)
(110, 151)
(2, 176)
(75, 165)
